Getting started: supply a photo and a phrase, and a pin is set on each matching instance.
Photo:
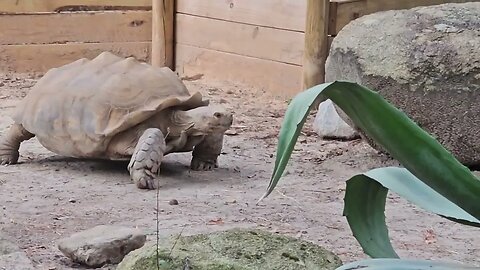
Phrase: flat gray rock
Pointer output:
(12, 257)
(426, 63)
(101, 245)
(15, 261)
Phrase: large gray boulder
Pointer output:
(235, 249)
(426, 62)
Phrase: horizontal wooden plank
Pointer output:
(277, 78)
(28, 6)
(117, 26)
(350, 10)
(283, 14)
(249, 40)
(40, 58)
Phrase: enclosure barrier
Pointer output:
(266, 44)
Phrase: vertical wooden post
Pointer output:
(162, 32)
(316, 42)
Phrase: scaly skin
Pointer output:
(147, 156)
(10, 143)
(145, 162)
(205, 154)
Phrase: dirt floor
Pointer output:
(48, 197)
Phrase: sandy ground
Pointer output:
(47, 197)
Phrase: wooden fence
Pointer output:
(265, 44)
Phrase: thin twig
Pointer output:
(176, 240)
(288, 197)
(157, 221)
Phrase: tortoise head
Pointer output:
(210, 119)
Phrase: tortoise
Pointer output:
(115, 108)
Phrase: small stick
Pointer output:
(293, 199)
(176, 240)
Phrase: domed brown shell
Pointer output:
(82, 104)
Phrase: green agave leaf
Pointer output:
(366, 218)
(397, 264)
(419, 152)
(365, 198)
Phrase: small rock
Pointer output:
(231, 132)
(173, 202)
(230, 202)
(101, 245)
(328, 123)
(1, 84)
(72, 201)
(445, 28)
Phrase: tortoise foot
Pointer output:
(144, 179)
(203, 165)
(10, 143)
(8, 156)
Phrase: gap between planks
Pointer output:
(240, 22)
(42, 57)
(282, 46)
(279, 79)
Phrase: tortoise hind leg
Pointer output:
(10, 143)
(145, 162)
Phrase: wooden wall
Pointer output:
(256, 42)
(259, 43)
(35, 36)
(248, 41)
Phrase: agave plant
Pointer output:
(431, 177)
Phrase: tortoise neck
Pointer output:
(181, 120)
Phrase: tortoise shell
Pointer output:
(83, 104)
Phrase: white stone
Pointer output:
(329, 125)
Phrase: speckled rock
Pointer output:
(426, 62)
(101, 245)
(236, 249)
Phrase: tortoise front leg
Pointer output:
(10, 143)
(205, 155)
(145, 162)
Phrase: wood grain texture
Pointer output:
(248, 40)
(316, 43)
(40, 58)
(29, 6)
(352, 9)
(283, 14)
(75, 27)
(277, 78)
(162, 32)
